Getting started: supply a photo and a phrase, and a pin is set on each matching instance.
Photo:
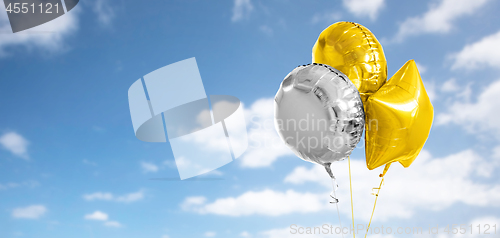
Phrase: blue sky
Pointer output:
(70, 165)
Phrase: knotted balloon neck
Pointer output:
(333, 195)
(385, 170)
(329, 170)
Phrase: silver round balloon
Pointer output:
(319, 114)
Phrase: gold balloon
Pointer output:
(354, 50)
(398, 119)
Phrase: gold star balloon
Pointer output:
(398, 119)
(354, 50)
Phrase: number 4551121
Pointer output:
(32, 8)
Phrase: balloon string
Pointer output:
(336, 201)
(374, 205)
(352, 204)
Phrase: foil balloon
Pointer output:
(319, 114)
(354, 50)
(398, 119)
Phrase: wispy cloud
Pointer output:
(439, 18)
(450, 86)
(127, 198)
(30, 184)
(421, 68)
(149, 167)
(103, 217)
(265, 146)
(401, 199)
(88, 162)
(210, 234)
(364, 8)
(104, 11)
(15, 143)
(131, 197)
(328, 17)
(112, 224)
(479, 116)
(30, 212)
(241, 10)
(96, 216)
(266, 30)
(482, 53)
(266, 202)
(245, 234)
(49, 37)
(437, 179)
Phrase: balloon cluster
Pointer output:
(321, 108)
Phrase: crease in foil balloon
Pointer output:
(319, 114)
(356, 52)
(404, 114)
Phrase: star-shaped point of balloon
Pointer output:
(399, 118)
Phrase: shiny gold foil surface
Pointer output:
(398, 119)
(354, 50)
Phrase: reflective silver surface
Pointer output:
(319, 114)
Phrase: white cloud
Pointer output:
(88, 162)
(450, 86)
(364, 8)
(101, 216)
(484, 52)
(30, 212)
(265, 146)
(241, 9)
(421, 68)
(428, 184)
(48, 37)
(266, 202)
(430, 88)
(165, 236)
(98, 196)
(329, 17)
(97, 216)
(149, 167)
(210, 234)
(104, 11)
(496, 152)
(127, 198)
(131, 197)
(10, 185)
(191, 202)
(245, 234)
(15, 143)
(266, 30)
(439, 18)
(112, 224)
(476, 117)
